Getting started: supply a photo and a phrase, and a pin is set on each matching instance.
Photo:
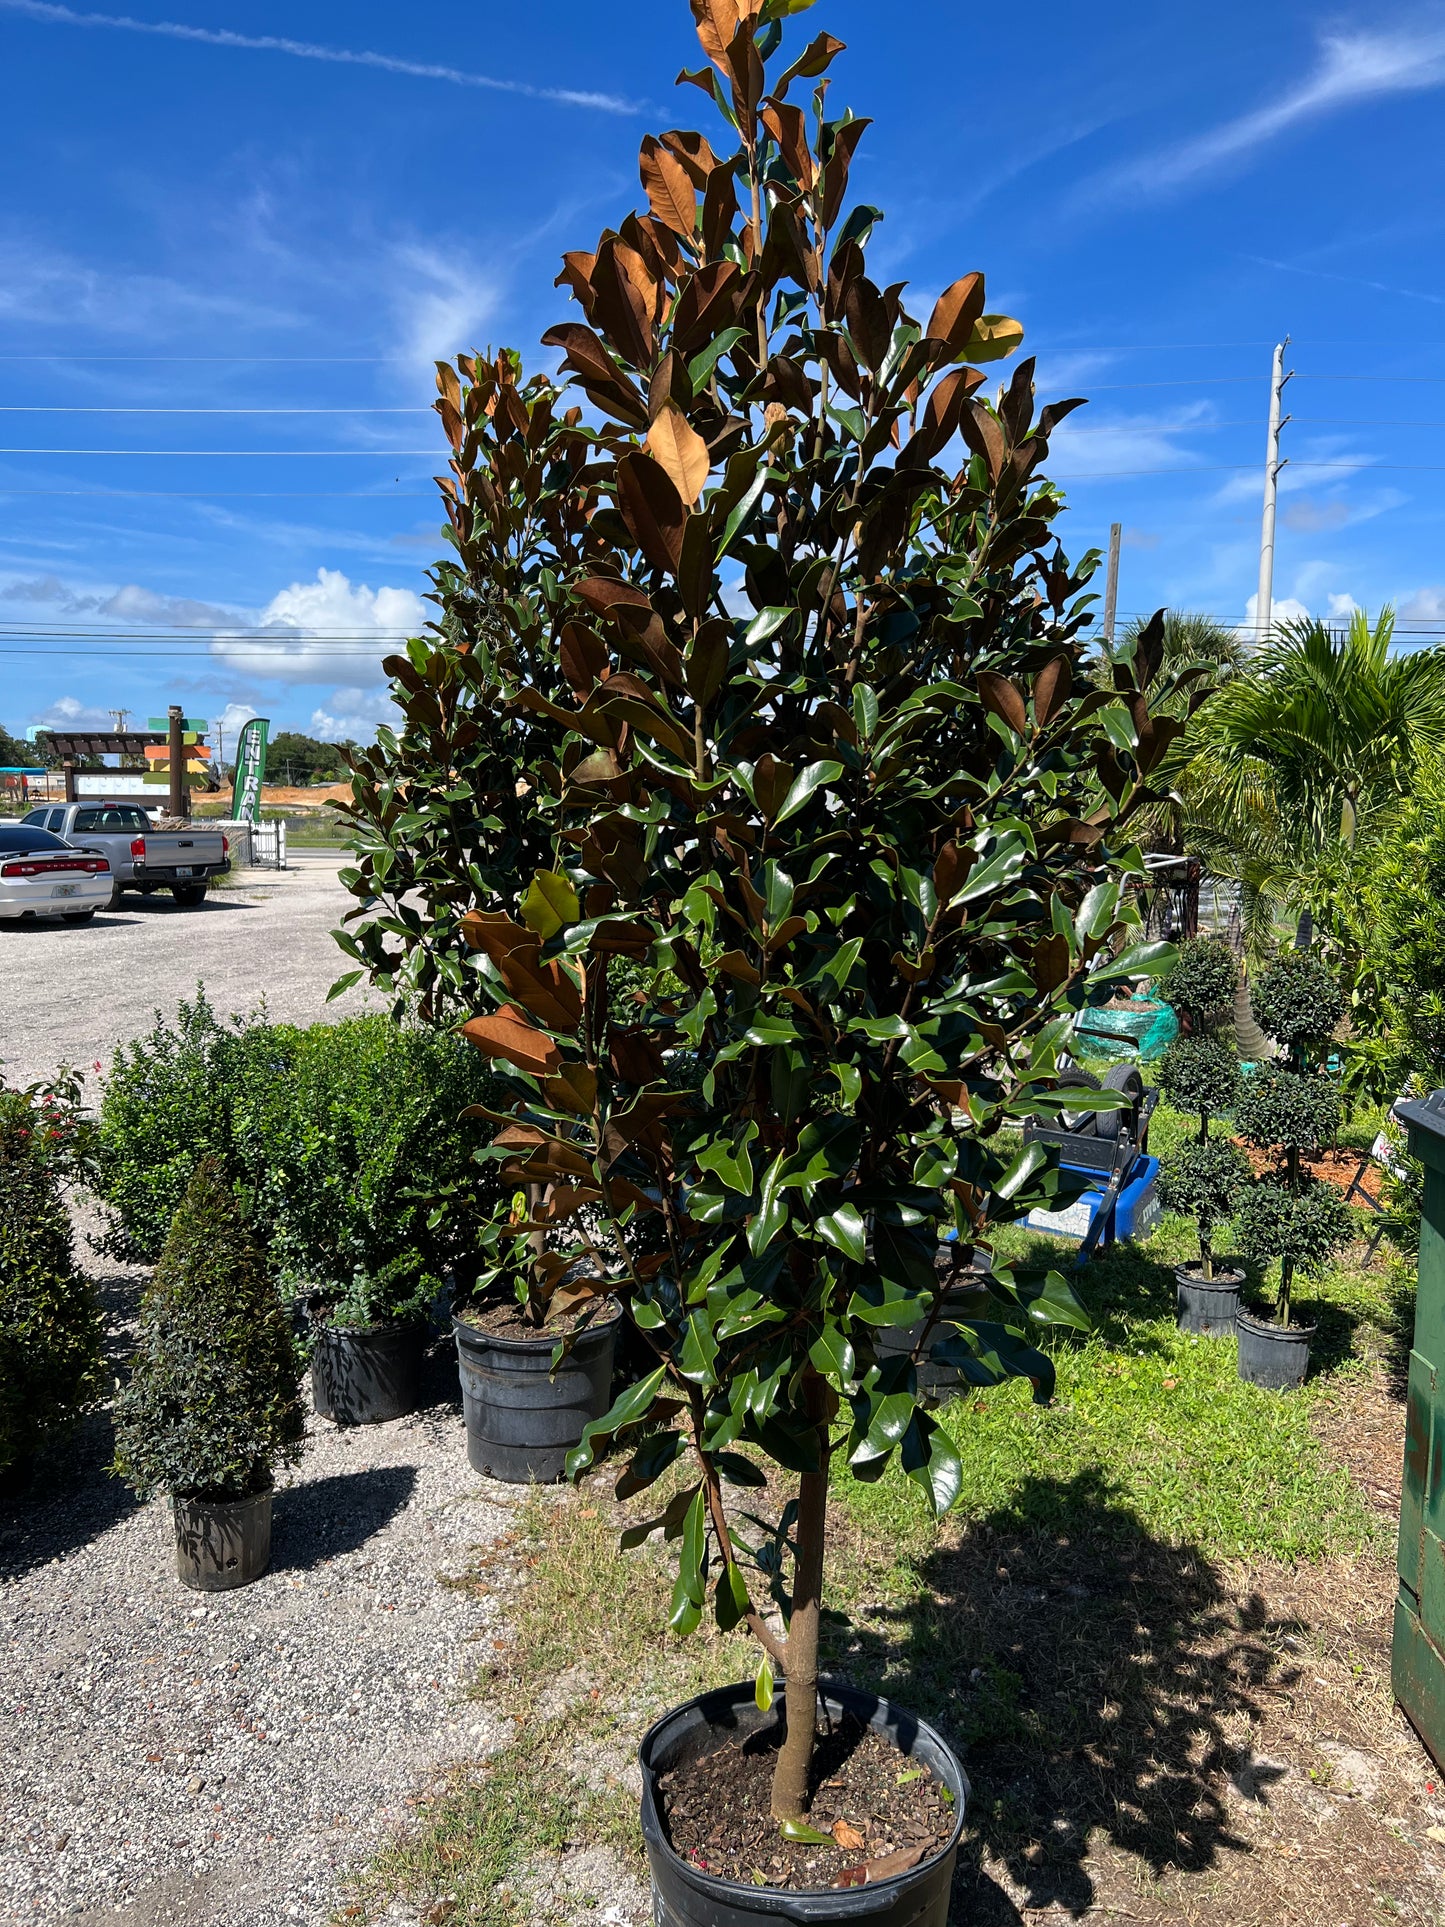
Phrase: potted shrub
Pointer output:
(358, 1163)
(1291, 1110)
(1203, 1179)
(50, 1322)
(212, 1407)
(777, 917)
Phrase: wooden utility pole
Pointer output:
(179, 802)
(1111, 581)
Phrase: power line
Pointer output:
(73, 408)
(228, 453)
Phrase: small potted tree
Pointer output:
(776, 917)
(1203, 1178)
(50, 1322)
(1290, 1110)
(212, 1405)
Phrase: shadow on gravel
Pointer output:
(70, 1499)
(324, 1518)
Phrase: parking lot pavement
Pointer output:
(69, 993)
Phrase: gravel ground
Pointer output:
(69, 993)
(220, 1760)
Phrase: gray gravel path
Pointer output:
(219, 1761)
(71, 993)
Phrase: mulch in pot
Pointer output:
(504, 1318)
(886, 1813)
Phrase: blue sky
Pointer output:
(266, 208)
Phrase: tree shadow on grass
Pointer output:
(321, 1519)
(1091, 1676)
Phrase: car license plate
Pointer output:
(64, 889)
(183, 869)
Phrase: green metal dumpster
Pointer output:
(1417, 1661)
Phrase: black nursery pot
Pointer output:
(684, 1896)
(1274, 1356)
(365, 1375)
(521, 1421)
(1207, 1306)
(222, 1544)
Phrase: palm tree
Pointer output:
(1300, 760)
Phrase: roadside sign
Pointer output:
(187, 722)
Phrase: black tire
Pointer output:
(1123, 1077)
(116, 893)
(189, 896)
(1079, 1122)
(78, 916)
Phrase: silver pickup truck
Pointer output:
(141, 858)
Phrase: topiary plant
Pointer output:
(1204, 1180)
(1290, 1216)
(767, 819)
(1202, 981)
(1200, 1075)
(50, 1322)
(212, 1405)
(1298, 1002)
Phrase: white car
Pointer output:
(42, 877)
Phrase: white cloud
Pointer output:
(1425, 605)
(310, 50)
(131, 603)
(45, 287)
(1349, 67)
(1342, 607)
(354, 716)
(1124, 444)
(310, 630)
(442, 308)
(68, 712)
(1282, 608)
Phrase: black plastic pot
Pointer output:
(223, 1544)
(521, 1421)
(1207, 1306)
(894, 1341)
(366, 1375)
(684, 1896)
(1275, 1356)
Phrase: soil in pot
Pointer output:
(364, 1375)
(1274, 1356)
(1207, 1306)
(522, 1418)
(222, 1543)
(884, 1814)
(722, 1806)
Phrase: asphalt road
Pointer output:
(71, 993)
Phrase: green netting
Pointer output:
(1142, 1027)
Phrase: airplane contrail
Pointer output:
(311, 50)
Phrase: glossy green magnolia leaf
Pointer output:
(929, 1457)
(832, 1355)
(649, 1463)
(802, 1835)
(772, 1212)
(730, 1596)
(1031, 1158)
(690, 1590)
(550, 904)
(1141, 960)
(805, 785)
(626, 1409)
(845, 1230)
(763, 1685)
(729, 1160)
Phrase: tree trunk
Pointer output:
(790, 1775)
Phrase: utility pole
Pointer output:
(1111, 581)
(1264, 602)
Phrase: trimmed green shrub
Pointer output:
(212, 1406)
(1298, 1002)
(1200, 1076)
(1289, 1215)
(167, 1104)
(348, 1144)
(1204, 1180)
(1203, 980)
(1288, 1111)
(50, 1323)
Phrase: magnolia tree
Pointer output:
(756, 799)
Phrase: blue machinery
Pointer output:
(1112, 1148)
